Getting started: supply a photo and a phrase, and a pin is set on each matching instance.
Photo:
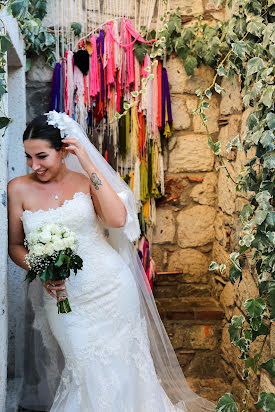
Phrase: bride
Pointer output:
(111, 353)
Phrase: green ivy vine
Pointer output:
(39, 40)
(243, 46)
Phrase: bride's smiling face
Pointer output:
(44, 160)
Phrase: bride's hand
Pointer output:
(51, 285)
(78, 150)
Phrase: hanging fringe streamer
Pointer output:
(95, 83)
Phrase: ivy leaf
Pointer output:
(216, 148)
(49, 39)
(269, 366)
(233, 329)
(269, 160)
(76, 28)
(251, 363)
(247, 211)
(140, 50)
(255, 323)
(251, 121)
(270, 119)
(221, 71)
(205, 104)
(267, 138)
(190, 64)
(255, 307)
(259, 217)
(256, 27)
(234, 273)
(227, 404)
(117, 115)
(134, 94)
(267, 96)
(271, 300)
(4, 121)
(19, 8)
(208, 93)
(266, 402)
(213, 266)
(219, 89)
(5, 43)
(254, 65)
(239, 49)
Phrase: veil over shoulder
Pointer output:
(39, 358)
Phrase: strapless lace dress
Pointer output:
(104, 341)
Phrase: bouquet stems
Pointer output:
(63, 304)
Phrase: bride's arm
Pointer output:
(108, 206)
(17, 250)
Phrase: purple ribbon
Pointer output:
(100, 54)
(166, 100)
(55, 98)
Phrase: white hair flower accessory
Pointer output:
(67, 126)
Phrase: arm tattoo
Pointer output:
(95, 180)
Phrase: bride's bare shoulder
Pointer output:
(18, 185)
(79, 178)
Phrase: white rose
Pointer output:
(48, 249)
(56, 230)
(55, 237)
(45, 236)
(38, 249)
(68, 242)
(32, 238)
(59, 245)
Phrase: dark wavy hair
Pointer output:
(38, 128)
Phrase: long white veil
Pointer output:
(40, 368)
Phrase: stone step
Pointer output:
(189, 308)
(212, 388)
(170, 289)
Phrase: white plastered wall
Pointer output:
(12, 164)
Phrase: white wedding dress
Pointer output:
(104, 341)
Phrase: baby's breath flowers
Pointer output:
(52, 254)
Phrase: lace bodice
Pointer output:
(79, 215)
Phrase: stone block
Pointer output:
(191, 154)
(204, 364)
(230, 353)
(165, 227)
(40, 71)
(186, 8)
(227, 297)
(37, 99)
(181, 116)
(226, 190)
(174, 186)
(266, 384)
(200, 337)
(231, 101)
(158, 256)
(246, 289)
(212, 114)
(180, 82)
(193, 263)
(196, 226)
(205, 193)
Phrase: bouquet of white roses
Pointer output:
(52, 254)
